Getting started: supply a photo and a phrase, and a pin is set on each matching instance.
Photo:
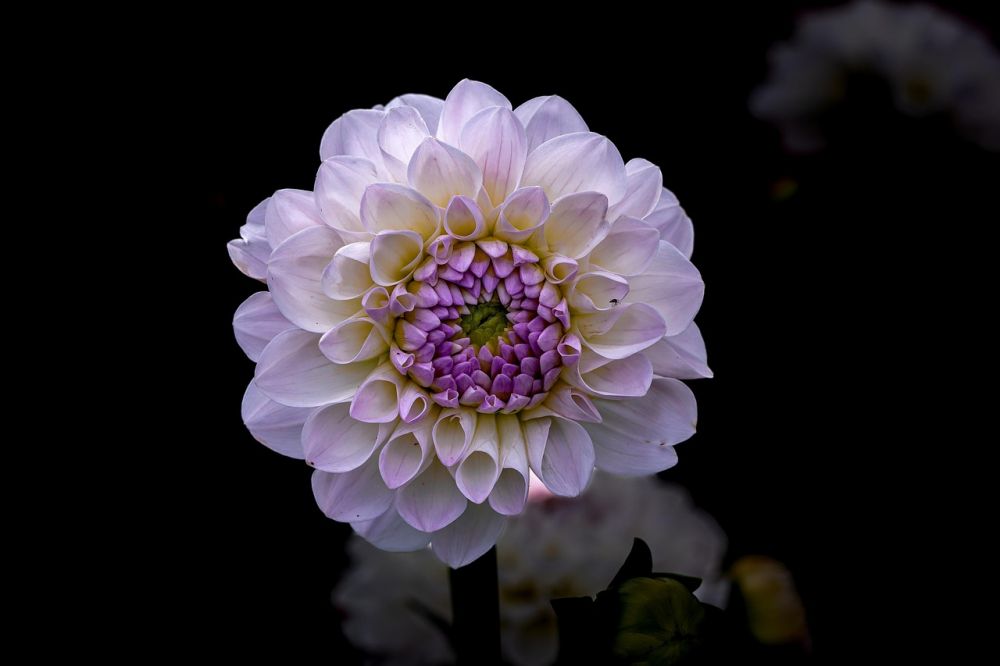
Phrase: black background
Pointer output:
(824, 313)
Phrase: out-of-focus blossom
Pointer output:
(774, 609)
(471, 291)
(556, 548)
(932, 62)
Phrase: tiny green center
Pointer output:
(484, 322)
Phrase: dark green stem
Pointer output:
(475, 606)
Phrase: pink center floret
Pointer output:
(509, 354)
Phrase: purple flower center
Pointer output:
(481, 326)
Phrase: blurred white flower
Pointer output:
(556, 548)
(931, 61)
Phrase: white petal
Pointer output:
(672, 285)
(357, 495)
(390, 532)
(249, 252)
(511, 489)
(354, 133)
(389, 207)
(469, 537)
(637, 436)
(400, 133)
(464, 101)
(628, 249)
(673, 223)
(256, 322)
(340, 184)
(522, 214)
(431, 501)
(577, 224)
(377, 398)
(335, 442)
(546, 118)
(453, 433)
(464, 220)
(621, 331)
(274, 425)
(348, 275)
(564, 460)
(627, 377)
(407, 453)
(294, 372)
(597, 291)
(643, 183)
(568, 402)
(429, 108)
(440, 171)
(394, 256)
(681, 356)
(580, 162)
(355, 339)
(288, 212)
(479, 468)
(495, 139)
(294, 275)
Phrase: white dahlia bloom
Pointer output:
(931, 61)
(556, 548)
(470, 292)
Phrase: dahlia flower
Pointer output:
(470, 292)
(931, 61)
(556, 548)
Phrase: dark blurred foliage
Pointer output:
(835, 287)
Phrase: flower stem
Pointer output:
(475, 605)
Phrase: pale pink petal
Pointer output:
(394, 256)
(522, 214)
(627, 377)
(400, 133)
(628, 249)
(564, 458)
(354, 133)
(357, 495)
(355, 339)
(478, 470)
(621, 331)
(274, 425)
(673, 223)
(249, 252)
(579, 162)
(672, 285)
(468, 538)
(511, 489)
(389, 207)
(407, 453)
(568, 402)
(495, 139)
(464, 101)
(428, 107)
(681, 356)
(577, 224)
(348, 276)
(440, 171)
(597, 291)
(340, 183)
(453, 433)
(377, 398)
(643, 183)
(288, 212)
(431, 501)
(637, 436)
(292, 370)
(335, 442)
(546, 118)
(256, 322)
(463, 220)
(294, 276)
(390, 532)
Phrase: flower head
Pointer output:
(931, 62)
(470, 292)
(556, 548)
